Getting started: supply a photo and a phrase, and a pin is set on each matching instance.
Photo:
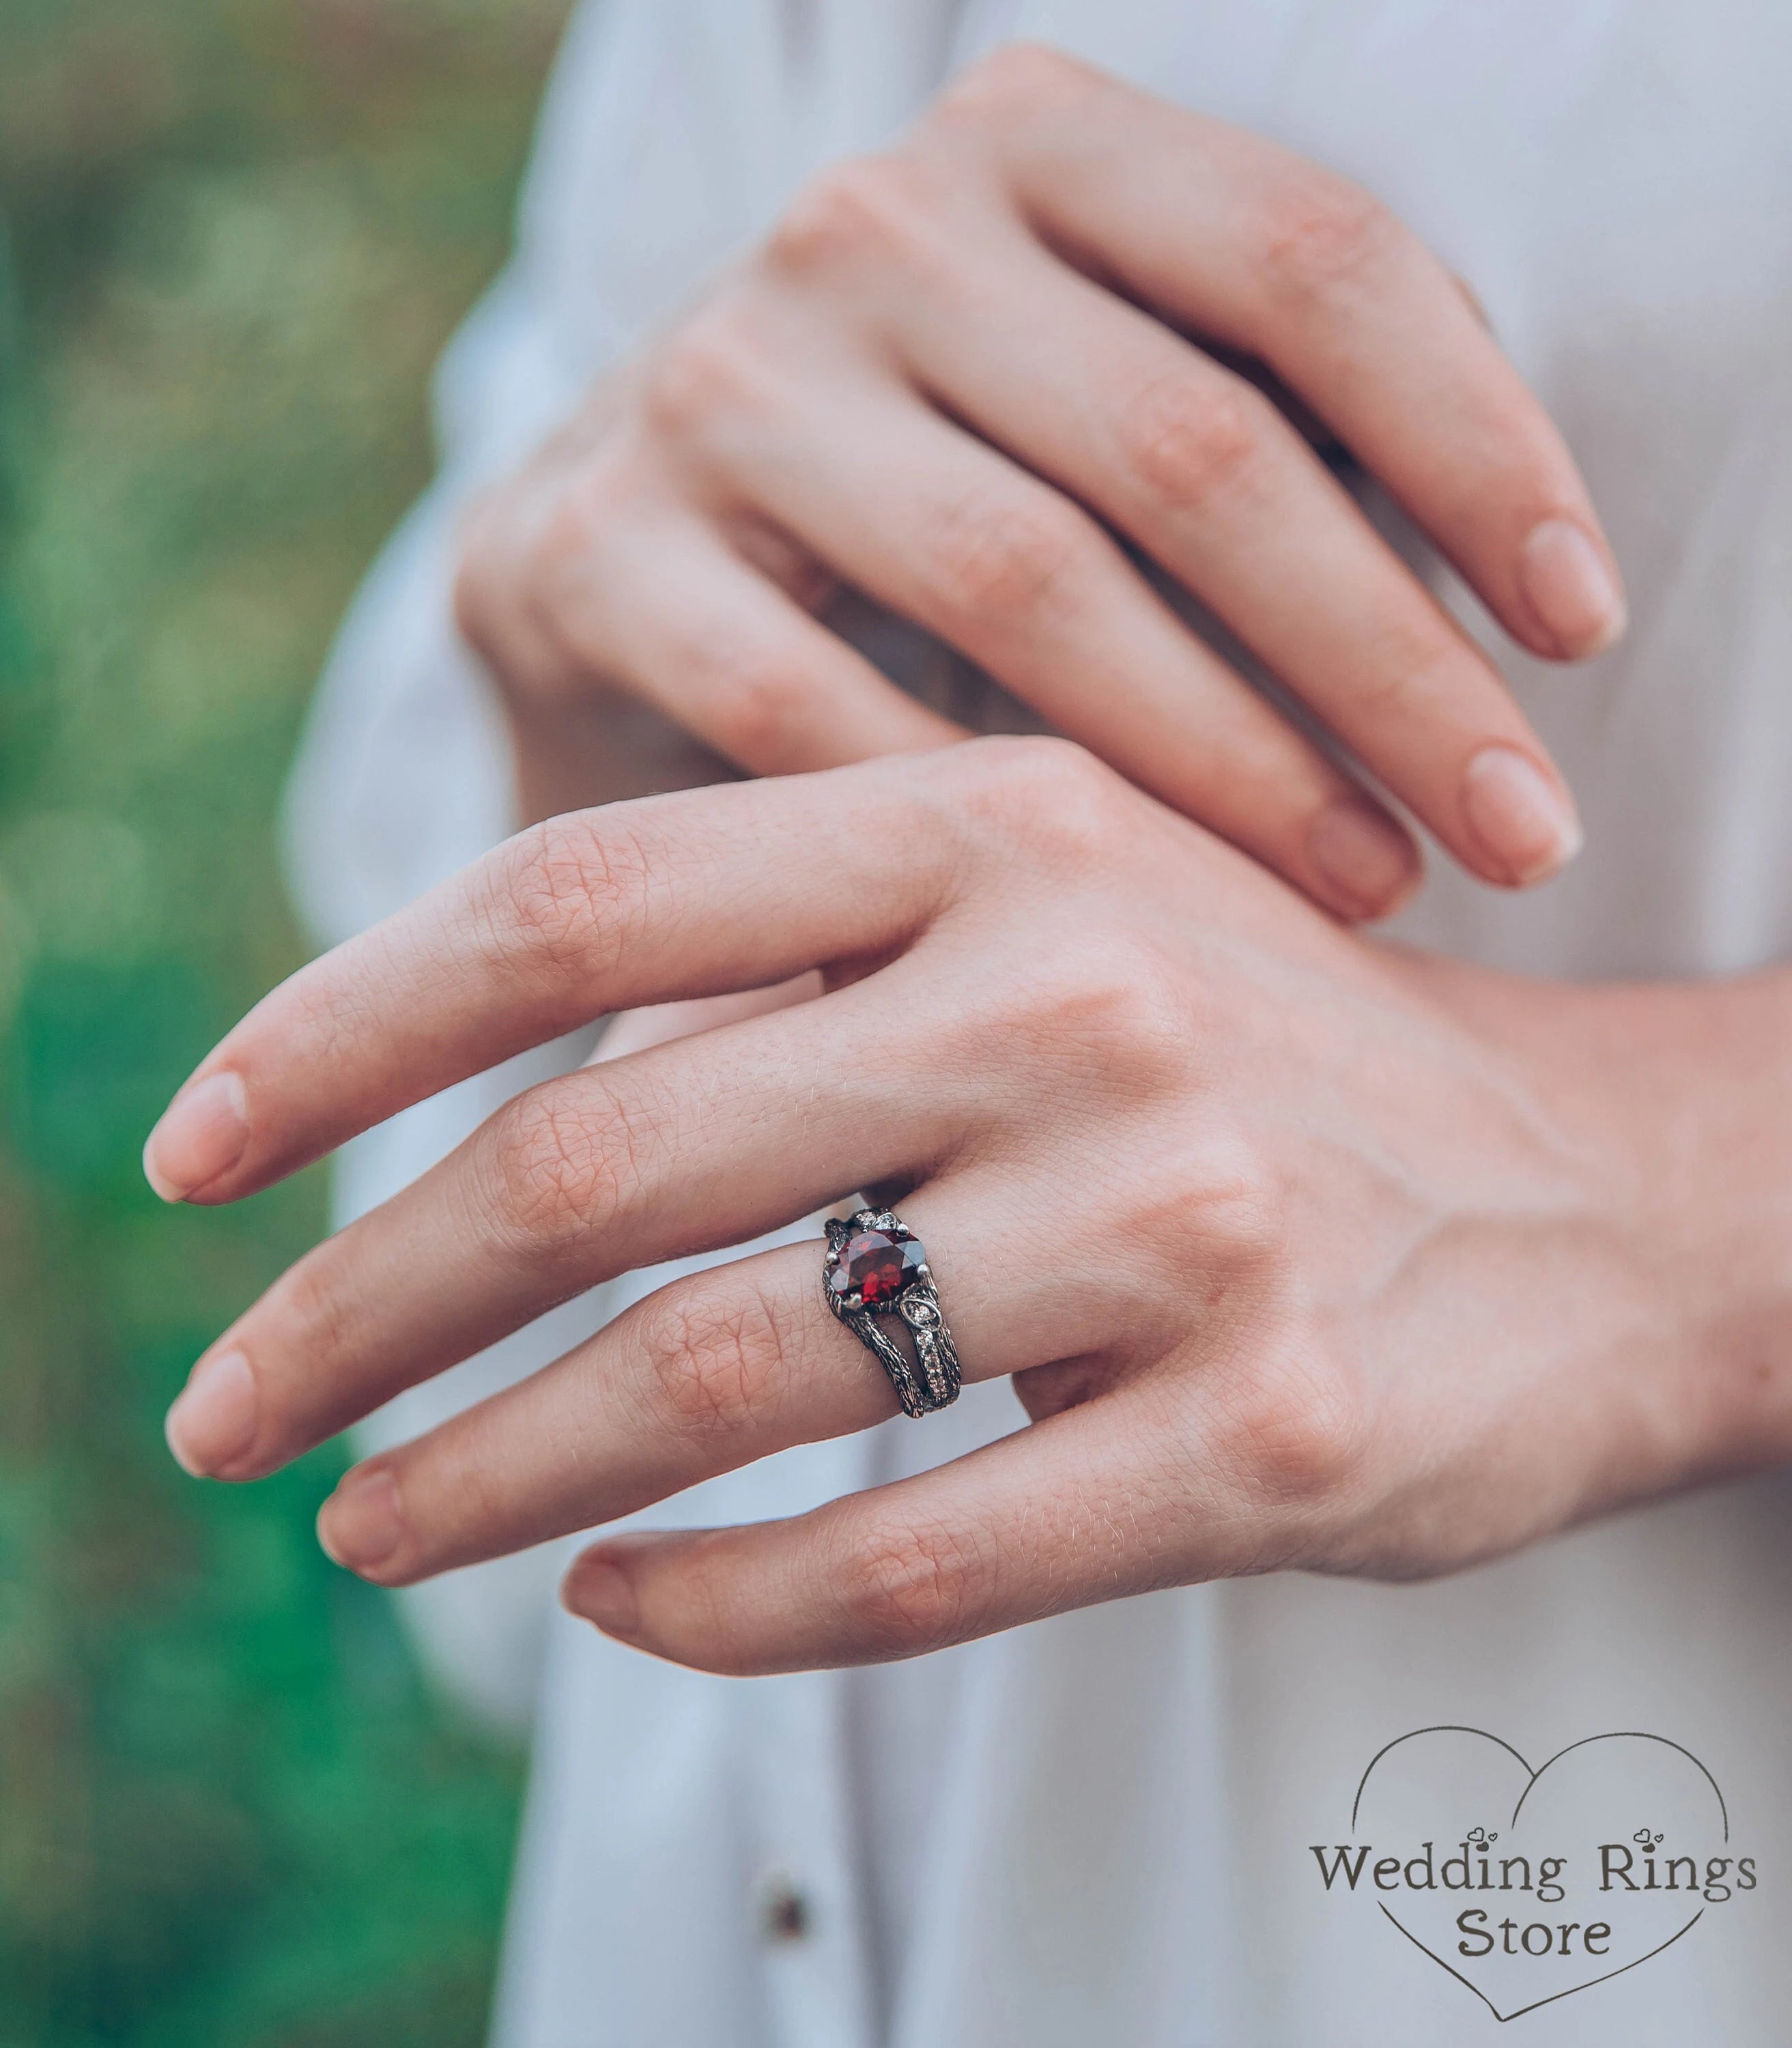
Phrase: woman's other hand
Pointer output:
(966, 376)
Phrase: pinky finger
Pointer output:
(682, 622)
(1042, 1522)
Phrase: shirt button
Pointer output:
(784, 1913)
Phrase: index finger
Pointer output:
(705, 892)
(1250, 247)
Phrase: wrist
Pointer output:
(1709, 1106)
(1691, 1084)
(1670, 1107)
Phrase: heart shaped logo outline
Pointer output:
(1611, 1735)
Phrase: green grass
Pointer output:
(236, 232)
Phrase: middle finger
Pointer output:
(684, 1148)
(711, 1372)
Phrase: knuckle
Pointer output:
(1225, 1213)
(483, 1491)
(1409, 666)
(1049, 794)
(573, 527)
(533, 551)
(562, 586)
(1021, 81)
(1296, 1431)
(709, 370)
(316, 1303)
(1320, 234)
(1103, 1006)
(1383, 697)
(764, 709)
(1006, 559)
(907, 1589)
(885, 207)
(1186, 443)
(567, 898)
(562, 1171)
(576, 586)
(1122, 1001)
(716, 1355)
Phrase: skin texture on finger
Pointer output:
(1245, 1181)
(575, 740)
(1237, 239)
(699, 893)
(713, 1372)
(669, 1152)
(1205, 475)
(1087, 1505)
(951, 533)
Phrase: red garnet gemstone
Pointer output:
(876, 1265)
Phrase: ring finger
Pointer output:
(683, 1148)
(710, 1373)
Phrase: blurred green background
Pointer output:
(234, 234)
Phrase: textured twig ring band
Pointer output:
(877, 1266)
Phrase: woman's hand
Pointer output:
(1303, 1251)
(965, 378)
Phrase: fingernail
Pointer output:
(1371, 864)
(202, 1133)
(1572, 588)
(212, 1422)
(602, 1594)
(361, 1524)
(1524, 819)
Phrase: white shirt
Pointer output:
(1113, 1845)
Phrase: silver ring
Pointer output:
(877, 1266)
